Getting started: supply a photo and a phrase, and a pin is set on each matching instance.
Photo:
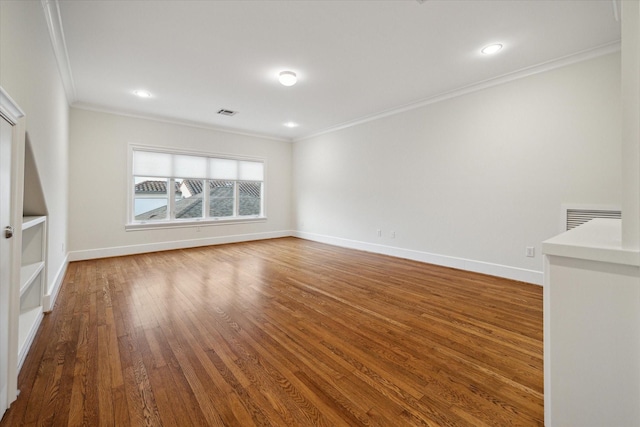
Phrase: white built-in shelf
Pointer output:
(32, 281)
(30, 221)
(28, 273)
(27, 328)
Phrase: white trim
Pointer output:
(485, 84)
(513, 273)
(181, 223)
(179, 244)
(49, 299)
(546, 310)
(14, 115)
(130, 202)
(172, 121)
(9, 109)
(52, 15)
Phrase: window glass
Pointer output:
(221, 198)
(172, 187)
(249, 198)
(188, 199)
(151, 197)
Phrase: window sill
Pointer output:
(153, 225)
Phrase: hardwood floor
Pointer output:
(283, 332)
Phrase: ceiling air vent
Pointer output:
(224, 112)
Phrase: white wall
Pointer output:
(468, 182)
(471, 181)
(631, 124)
(98, 184)
(28, 72)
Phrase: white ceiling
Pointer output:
(354, 59)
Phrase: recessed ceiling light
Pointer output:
(491, 49)
(291, 125)
(142, 93)
(287, 78)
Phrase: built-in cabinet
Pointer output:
(591, 328)
(32, 281)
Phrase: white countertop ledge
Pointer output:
(597, 240)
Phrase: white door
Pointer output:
(5, 255)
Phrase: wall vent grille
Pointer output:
(576, 217)
(224, 112)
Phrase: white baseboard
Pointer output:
(513, 273)
(167, 246)
(49, 298)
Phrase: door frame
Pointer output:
(11, 112)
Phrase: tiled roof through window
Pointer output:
(193, 185)
(221, 205)
(152, 187)
(250, 189)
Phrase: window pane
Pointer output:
(188, 202)
(221, 198)
(250, 196)
(151, 197)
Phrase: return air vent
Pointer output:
(224, 112)
(575, 216)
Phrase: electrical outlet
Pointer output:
(531, 252)
(62, 250)
(379, 233)
(393, 234)
(197, 229)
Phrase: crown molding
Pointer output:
(161, 119)
(485, 84)
(51, 10)
(53, 18)
(9, 109)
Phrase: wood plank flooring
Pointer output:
(283, 332)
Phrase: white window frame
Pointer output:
(132, 224)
